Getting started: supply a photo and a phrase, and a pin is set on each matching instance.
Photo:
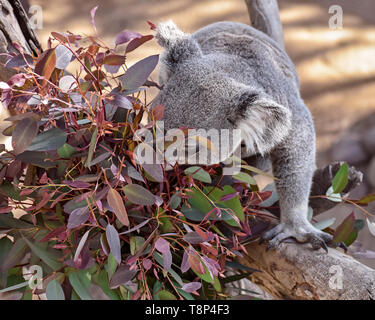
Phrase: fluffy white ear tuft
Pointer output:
(263, 123)
(179, 46)
(167, 34)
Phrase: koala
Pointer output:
(233, 76)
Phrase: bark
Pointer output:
(295, 271)
(14, 27)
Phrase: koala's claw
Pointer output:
(303, 234)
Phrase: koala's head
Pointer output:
(198, 92)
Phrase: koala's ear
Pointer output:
(263, 122)
(179, 45)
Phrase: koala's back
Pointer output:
(268, 65)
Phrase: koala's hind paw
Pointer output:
(304, 234)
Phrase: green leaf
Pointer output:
(340, 180)
(239, 266)
(80, 281)
(15, 255)
(175, 275)
(166, 295)
(175, 200)
(194, 214)
(244, 177)
(217, 284)
(199, 200)
(23, 134)
(345, 229)
(334, 197)
(65, 151)
(52, 139)
(7, 221)
(136, 243)
(166, 225)
(112, 265)
(256, 170)
(5, 247)
(183, 293)
(199, 174)
(351, 238)
(205, 276)
(234, 204)
(325, 224)
(236, 277)
(39, 159)
(359, 224)
(101, 279)
(48, 257)
(139, 195)
(54, 290)
(367, 199)
(91, 148)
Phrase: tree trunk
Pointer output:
(14, 28)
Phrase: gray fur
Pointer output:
(230, 75)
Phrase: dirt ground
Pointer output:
(336, 67)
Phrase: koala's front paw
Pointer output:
(302, 232)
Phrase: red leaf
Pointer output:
(126, 36)
(23, 134)
(80, 245)
(258, 197)
(195, 264)
(193, 238)
(44, 178)
(191, 286)
(53, 234)
(92, 13)
(152, 25)
(155, 171)
(135, 43)
(46, 64)
(77, 184)
(117, 204)
(158, 112)
(114, 60)
(6, 209)
(122, 275)
(78, 216)
(147, 264)
(185, 264)
(162, 246)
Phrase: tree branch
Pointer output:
(295, 271)
(264, 16)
